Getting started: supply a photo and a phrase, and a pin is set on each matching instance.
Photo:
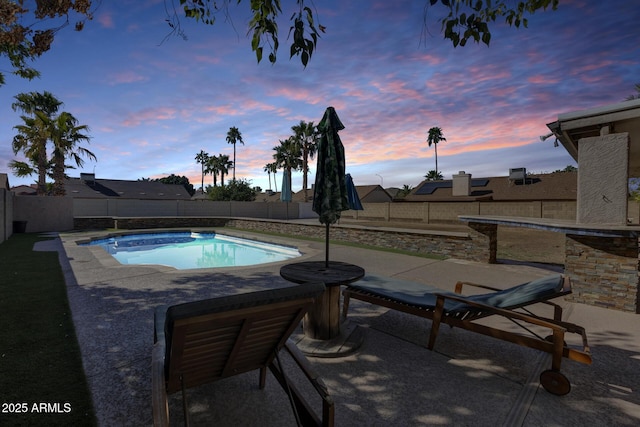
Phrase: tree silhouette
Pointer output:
(434, 137)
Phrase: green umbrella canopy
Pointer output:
(285, 194)
(330, 190)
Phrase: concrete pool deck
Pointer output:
(391, 380)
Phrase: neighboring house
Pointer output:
(553, 186)
(24, 190)
(200, 195)
(393, 191)
(87, 186)
(373, 194)
(366, 193)
(270, 196)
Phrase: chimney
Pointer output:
(88, 178)
(461, 184)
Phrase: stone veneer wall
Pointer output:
(479, 244)
(604, 271)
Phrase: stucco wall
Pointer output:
(60, 218)
(6, 214)
(44, 213)
(602, 179)
(195, 208)
(438, 212)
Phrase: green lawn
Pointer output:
(41, 372)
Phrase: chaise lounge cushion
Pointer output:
(518, 296)
(425, 296)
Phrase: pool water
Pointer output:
(184, 250)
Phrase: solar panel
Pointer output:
(481, 182)
(431, 186)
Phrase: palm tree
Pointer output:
(434, 137)
(212, 168)
(406, 189)
(234, 136)
(202, 158)
(270, 168)
(288, 155)
(33, 142)
(30, 139)
(635, 96)
(274, 171)
(433, 175)
(307, 136)
(223, 166)
(65, 135)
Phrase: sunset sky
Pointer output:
(153, 103)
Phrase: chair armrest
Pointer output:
(158, 387)
(308, 370)
(159, 316)
(459, 286)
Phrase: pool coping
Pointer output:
(108, 261)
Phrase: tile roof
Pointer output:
(106, 188)
(553, 186)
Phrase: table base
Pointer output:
(349, 340)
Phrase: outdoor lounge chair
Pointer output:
(460, 311)
(204, 341)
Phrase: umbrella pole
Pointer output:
(326, 249)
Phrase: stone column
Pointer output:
(604, 271)
(484, 242)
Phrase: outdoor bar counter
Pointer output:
(601, 259)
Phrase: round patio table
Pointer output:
(322, 321)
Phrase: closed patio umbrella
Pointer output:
(285, 194)
(352, 195)
(330, 189)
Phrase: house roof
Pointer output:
(392, 191)
(365, 190)
(106, 188)
(553, 186)
(24, 190)
(620, 117)
(298, 197)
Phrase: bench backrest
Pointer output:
(220, 337)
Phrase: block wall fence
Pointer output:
(57, 213)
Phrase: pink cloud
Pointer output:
(206, 59)
(399, 89)
(149, 115)
(540, 79)
(106, 20)
(429, 59)
(126, 77)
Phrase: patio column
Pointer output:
(484, 242)
(604, 271)
(603, 177)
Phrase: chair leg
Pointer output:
(558, 348)
(345, 305)
(185, 406)
(435, 322)
(263, 377)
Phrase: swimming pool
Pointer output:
(186, 250)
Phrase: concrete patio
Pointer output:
(391, 380)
